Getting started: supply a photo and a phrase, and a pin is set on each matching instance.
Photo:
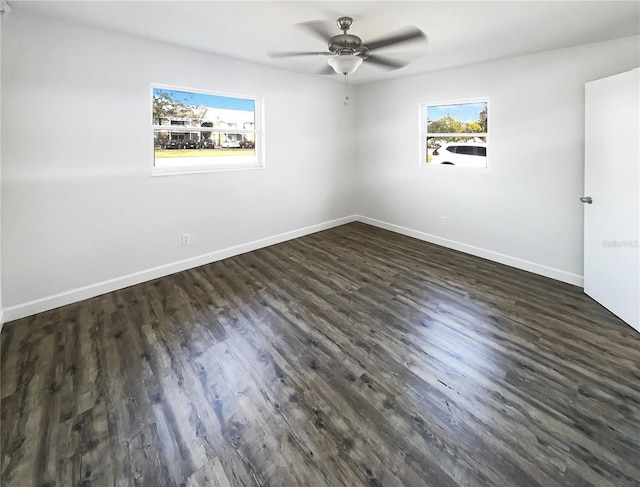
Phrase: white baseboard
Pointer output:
(50, 302)
(525, 265)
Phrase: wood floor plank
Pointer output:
(353, 357)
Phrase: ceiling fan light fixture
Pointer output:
(345, 63)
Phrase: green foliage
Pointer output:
(444, 125)
(448, 124)
(483, 119)
(473, 127)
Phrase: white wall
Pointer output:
(79, 207)
(525, 212)
(81, 214)
(1, 308)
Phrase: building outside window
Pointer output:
(199, 131)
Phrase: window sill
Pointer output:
(455, 169)
(177, 171)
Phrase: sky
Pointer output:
(211, 101)
(462, 111)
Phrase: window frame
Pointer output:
(219, 163)
(424, 135)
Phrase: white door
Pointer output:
(612, 181)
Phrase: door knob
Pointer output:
(587, 199)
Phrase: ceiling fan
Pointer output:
(347, 51)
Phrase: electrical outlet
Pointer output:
(444, 221)
(186, 239)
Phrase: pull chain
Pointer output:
(346, 91)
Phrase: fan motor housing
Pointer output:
(345, 44)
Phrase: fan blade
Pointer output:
(408, 34)
(385, 62)
(319, 28)
(277, 54)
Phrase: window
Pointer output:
(198, 131)
(454, 134)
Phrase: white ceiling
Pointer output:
(459, 32)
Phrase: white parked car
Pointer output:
(462, 154)
(230, 144)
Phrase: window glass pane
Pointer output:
(174, 149)
(181, 138)
(456, 134)
(173, 107)
(458, 118)
(463, 151)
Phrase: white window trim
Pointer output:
(423, 134)
(223, 163)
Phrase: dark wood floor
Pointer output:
(353, 356)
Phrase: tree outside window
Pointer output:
(455, 134)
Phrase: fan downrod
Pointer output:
(345, 44)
